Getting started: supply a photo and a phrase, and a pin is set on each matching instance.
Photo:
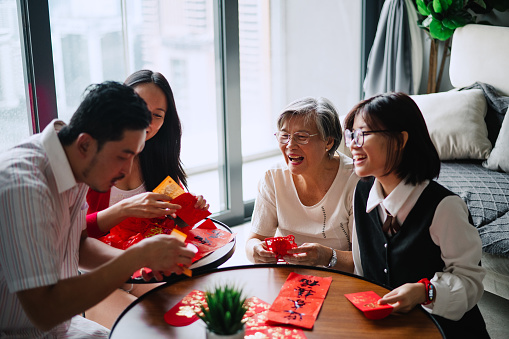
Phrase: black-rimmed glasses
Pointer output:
(302, 138)
(357, 136)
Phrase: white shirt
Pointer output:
(279, 211)
(42, 215)
(459, 286)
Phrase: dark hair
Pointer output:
(397, 112)
(161, 155)
(107, 110)
(322, 111)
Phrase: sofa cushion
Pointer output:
(455, 121)
(499, 157)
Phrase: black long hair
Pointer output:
(161, 155)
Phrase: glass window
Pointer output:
(288, 50)
(14, 117)
(102, 40)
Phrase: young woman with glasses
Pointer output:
(410, 233)
(132, 196)
(309, 194)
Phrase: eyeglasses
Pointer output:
(302, 138)
(357, 136)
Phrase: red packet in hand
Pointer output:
(280, 245)
(178, 196)
(184, 312)
(299, 300)
(367, 302)
(188, 212)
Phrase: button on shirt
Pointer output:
(42, 215)
(459, 287)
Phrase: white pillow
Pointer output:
(455, 121)
(499, 157)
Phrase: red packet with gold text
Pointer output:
(367, 302)
(169, 187)
(184, 312)
(299, 301)
(257, 325)
(188, 212)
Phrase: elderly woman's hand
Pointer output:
(311, 254)
(262, 255)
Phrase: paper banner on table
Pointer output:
(207, 240)
(257, 326)
(367, 302)
(184, 312)
(299, 301)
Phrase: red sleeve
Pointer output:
(96, 202)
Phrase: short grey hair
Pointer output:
(324, 114)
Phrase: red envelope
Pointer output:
(299, 301)
(184, 312)
(367, 302)
(188, 212)
(257, 324)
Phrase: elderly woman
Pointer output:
(310, 194)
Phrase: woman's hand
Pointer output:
(257, 251)
(201, 204)
(311, 254)
(405, 297)
(147, 205)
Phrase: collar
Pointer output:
(57, 158)
(401, 200)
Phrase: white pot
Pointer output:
(238, 335)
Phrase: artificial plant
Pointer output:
(225, 307)
(440, 18)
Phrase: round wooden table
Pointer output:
(338, 318)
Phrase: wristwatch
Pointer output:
(430, 291)
(333, 260)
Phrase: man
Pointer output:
(43, 183)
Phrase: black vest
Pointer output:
(410, 254)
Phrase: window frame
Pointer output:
(41, 89)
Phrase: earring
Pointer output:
(326, 150)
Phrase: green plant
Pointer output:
(225, 307)
(441, 18)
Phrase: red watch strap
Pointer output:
(430, 291)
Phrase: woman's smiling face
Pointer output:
(303, 159)
(370, 158)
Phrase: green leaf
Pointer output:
(422, 8)
(438, 31)
(441, 6)
(458, 20)
(458, 5)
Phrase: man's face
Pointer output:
(113, 161)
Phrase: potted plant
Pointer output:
(440, 18)
(225, 307)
